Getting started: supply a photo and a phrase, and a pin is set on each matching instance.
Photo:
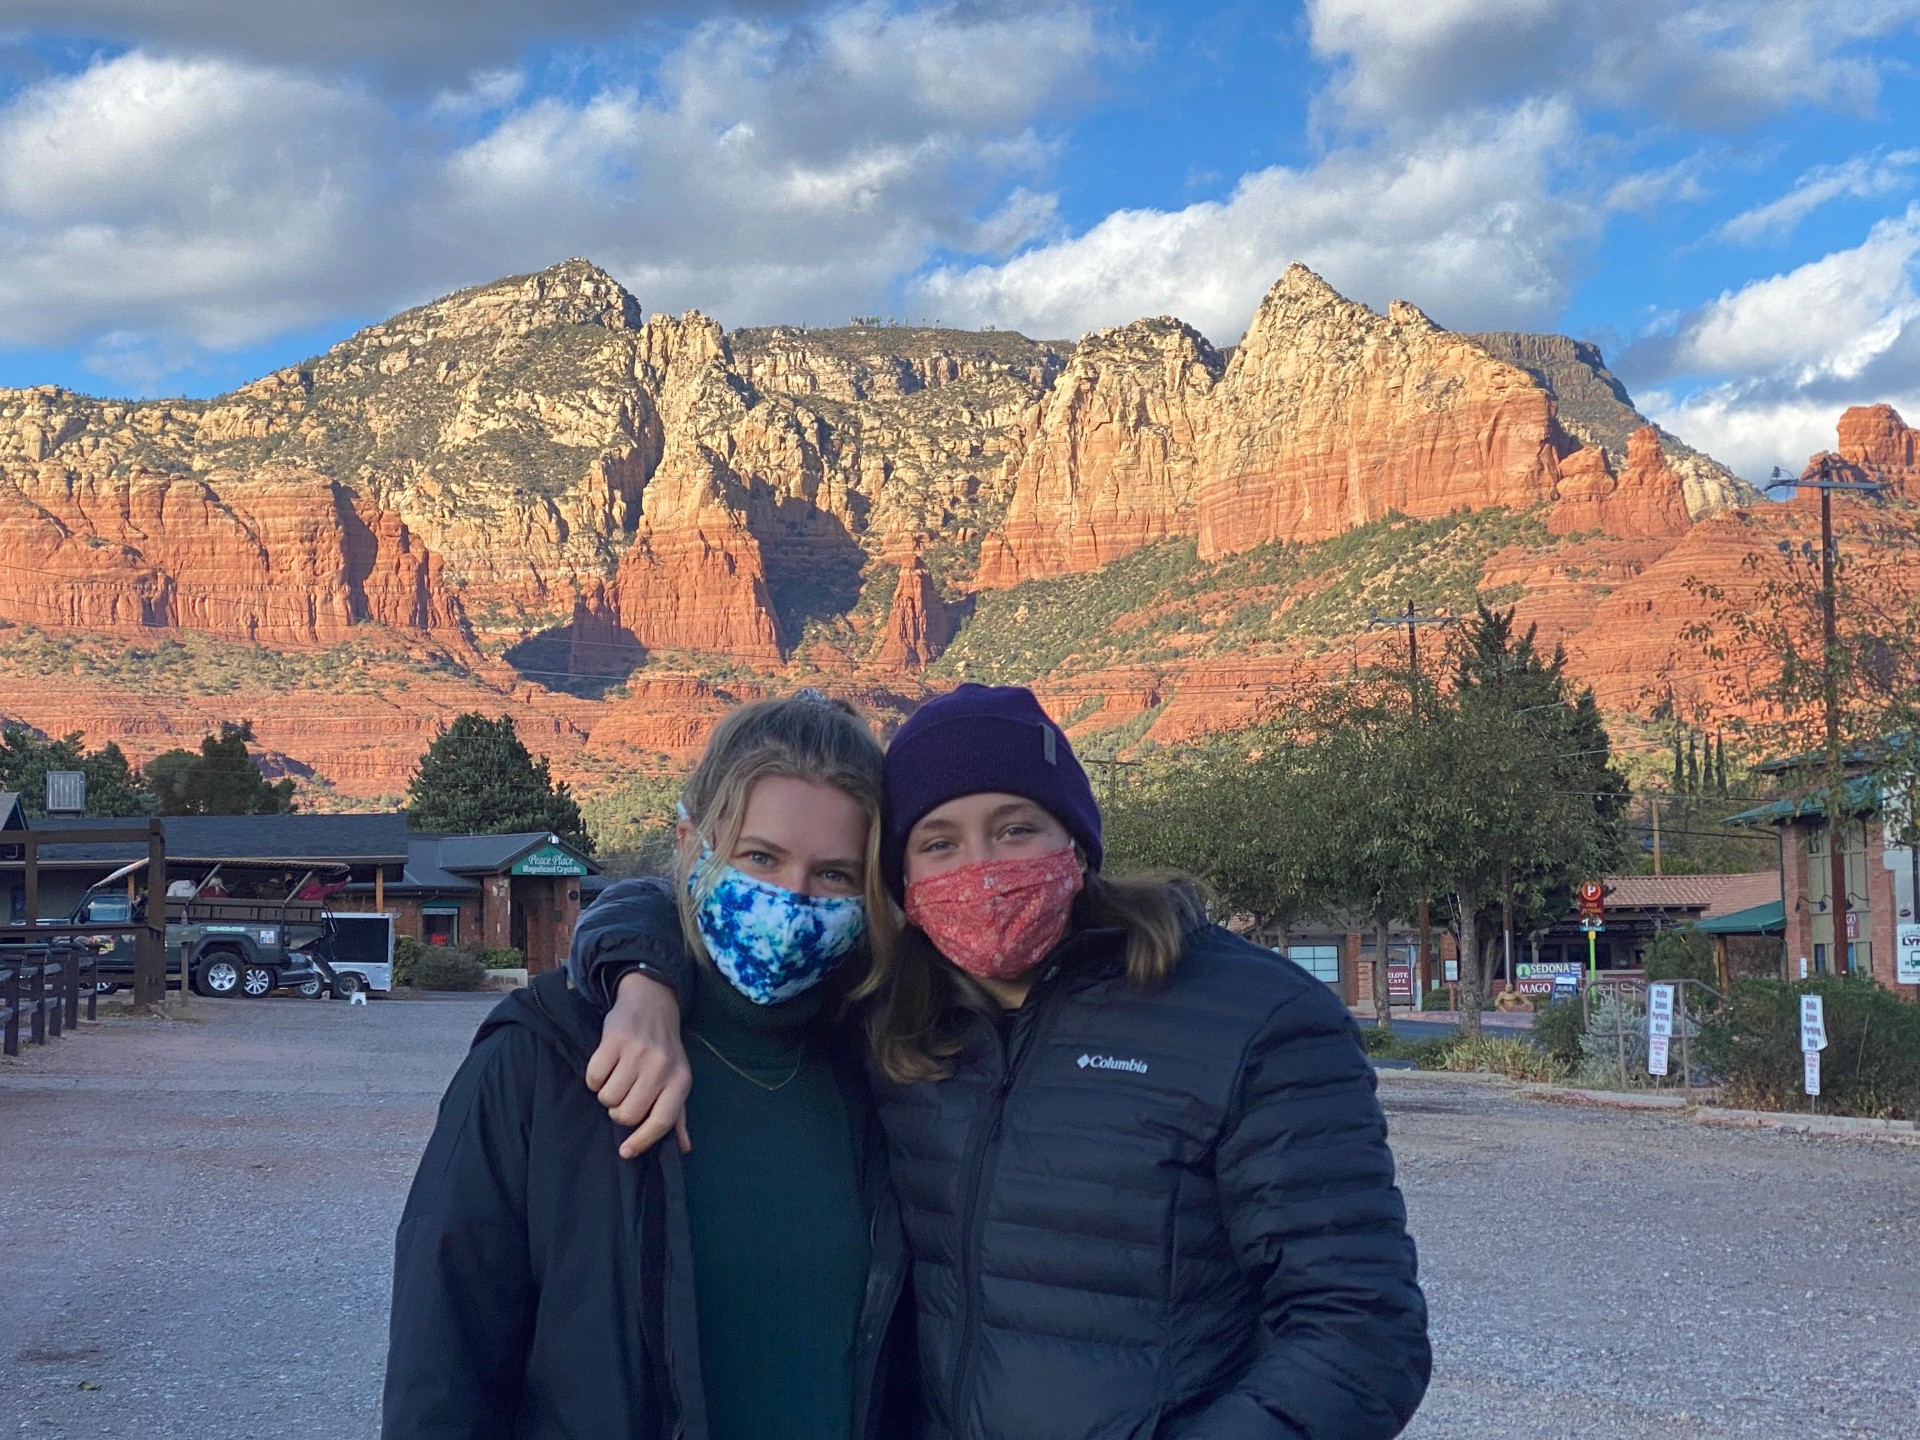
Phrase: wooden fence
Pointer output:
(41, 988)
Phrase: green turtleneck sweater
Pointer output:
(780, 1237)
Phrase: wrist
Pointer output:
(633, 986)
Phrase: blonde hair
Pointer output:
(921, 1002)
(804, 736)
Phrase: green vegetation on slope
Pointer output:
(190, 662)
(1163, 603)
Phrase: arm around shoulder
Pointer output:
(463, 1288)
(1307, 1181)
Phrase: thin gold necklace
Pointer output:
(744, 1075)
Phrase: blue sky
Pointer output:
(1725, 194)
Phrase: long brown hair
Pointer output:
(804, 736)
(919, 1003)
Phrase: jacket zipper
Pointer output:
(1026, 1026)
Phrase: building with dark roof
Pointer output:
(519, 891)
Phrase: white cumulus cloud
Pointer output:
(1864, 177)
(156, 206)
(1780, 358)
(1710, 63)
(1464, 221)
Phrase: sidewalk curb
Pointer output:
(1895, 1132)
(1604, 1099)
(1842, 1127)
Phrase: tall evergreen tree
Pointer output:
(113, 789)
(479, 778)
(223, 778)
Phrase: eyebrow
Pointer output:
(759, 842)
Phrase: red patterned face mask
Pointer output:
(997, 919)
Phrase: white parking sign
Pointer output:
(1813, 1028)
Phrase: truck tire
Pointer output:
(309, 989)
(346, 983)
(218, 974)
(256, 980)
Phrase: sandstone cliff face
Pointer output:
(94, 540)
(536, 458)
(1109, 464)
(1595, 409)
(1648, 499)
(1330, 416)
(918, 625)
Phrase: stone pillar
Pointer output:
(497, 911)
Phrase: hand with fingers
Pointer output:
(640, 1071)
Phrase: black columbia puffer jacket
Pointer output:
(1160, 1216)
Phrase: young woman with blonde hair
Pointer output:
(544, 1286)
(1145, 1177)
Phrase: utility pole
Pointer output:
(1822, 479)
(1412, 620)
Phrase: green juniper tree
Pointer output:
(222, 778)
(479, 778)
(113, 787)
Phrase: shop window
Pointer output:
(440, 927)
(1320, 961)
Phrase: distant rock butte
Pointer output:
(1647, 498)
(536, 459)
(1875, 438)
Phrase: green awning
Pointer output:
(1767, 919)
(1863, 798)
(440, 907)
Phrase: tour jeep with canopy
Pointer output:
(240, 927)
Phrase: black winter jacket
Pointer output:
(1158, 1216)
(543, 1287)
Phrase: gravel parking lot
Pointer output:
(198, 1215)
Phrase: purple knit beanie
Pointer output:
(980, 738)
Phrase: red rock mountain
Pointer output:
(532, 499)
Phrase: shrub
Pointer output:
(1871, 1066)
(1376, 1041)
(1683, 954)
(1428, 1054)
(1557, 1030)
(406, 954)
(1438, 998)
(441, 967)
(505, 958)
(1503, 1055)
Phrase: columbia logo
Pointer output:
(1109, 1062)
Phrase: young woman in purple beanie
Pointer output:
(1145, 1178)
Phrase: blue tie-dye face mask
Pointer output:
(773, 944)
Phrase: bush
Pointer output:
(1438, 998)
(1557, 1030)
(1871, 1066)
(1428, 1054)
(505, 958)
(441, 967)
(1376, 1041)
(1683, 954)
(1503, 1055)
(406, 954)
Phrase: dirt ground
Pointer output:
(198, 1218)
